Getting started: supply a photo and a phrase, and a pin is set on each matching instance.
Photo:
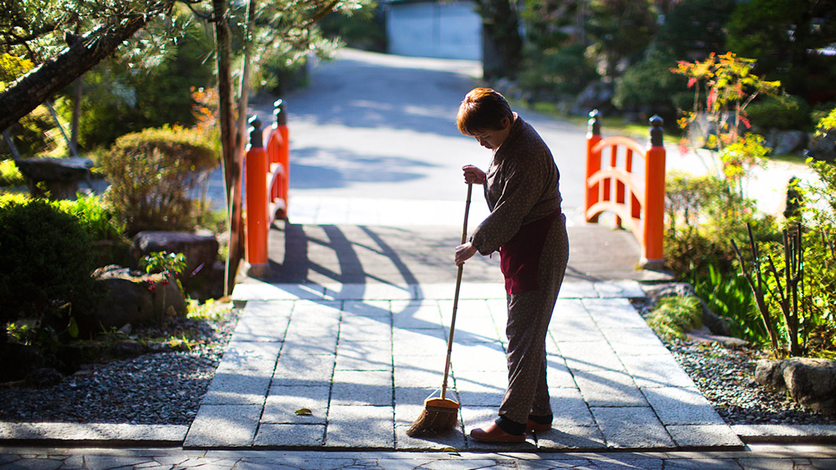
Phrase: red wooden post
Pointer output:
(284, 153)
(593, 160)
(257, 167)
(654, 203)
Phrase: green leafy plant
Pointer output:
(674, 316)
(729, 296)
(95, 216)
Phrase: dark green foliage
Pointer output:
(554, 72)
(45, 265)
(779, 112)
(695, 28)
(361, 29)
(780, 34)
(153, 174)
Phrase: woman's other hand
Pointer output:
(464, 253)
(473, 175)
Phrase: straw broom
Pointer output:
(441, 414)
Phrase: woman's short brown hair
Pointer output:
(483, 109)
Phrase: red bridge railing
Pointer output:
(637, 200)
(266, 177)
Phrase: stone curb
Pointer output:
(124, 435)
(79, 434)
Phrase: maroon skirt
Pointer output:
(519, 258)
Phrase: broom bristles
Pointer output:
(438, 416)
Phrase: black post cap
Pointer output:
(594, 123)
(280, 112)
(256, 137)
(657, 134)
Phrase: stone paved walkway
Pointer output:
(363, 358)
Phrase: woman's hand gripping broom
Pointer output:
(441, 414)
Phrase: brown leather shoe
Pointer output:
(533, 426)
(494, 433)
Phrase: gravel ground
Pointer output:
(166, 388)
(161, 388)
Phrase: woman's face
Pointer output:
(493, 138)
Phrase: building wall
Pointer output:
(431, 29)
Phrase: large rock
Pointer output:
(810, 382)
(715, 323)
(823, 148)
(136, 298)
(200, 249)
(786, 142)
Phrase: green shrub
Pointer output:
(45, 266)
(651, 84)
(779, 112)
(556, 72)
(153, 173)
(674, 316)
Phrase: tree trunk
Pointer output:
(42, 82)
(231, 162)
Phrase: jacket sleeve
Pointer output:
(520, 186)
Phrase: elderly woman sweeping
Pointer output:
(528, 229)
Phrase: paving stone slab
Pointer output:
(375, 291)
(249, 356)
(415, 314)
(704, 436)
(353, 387)
(418, 342)
(244, 387)
(557, 372)
(290, 435)
(590, 356)
(577, 289)
(570, 437)
(284, 403)
(481, 388)
(657, 371)
(609, 388)
(364, 355)
(318, 368)
(256, 290)
(356, 328)
(269, 308)
(223, 426)
(260, 328)
(360, 427)
(619, 289)
(569, 408)
(681, 406)
(614, 313)
(481, 356)
(632, 428)
(367, 308)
